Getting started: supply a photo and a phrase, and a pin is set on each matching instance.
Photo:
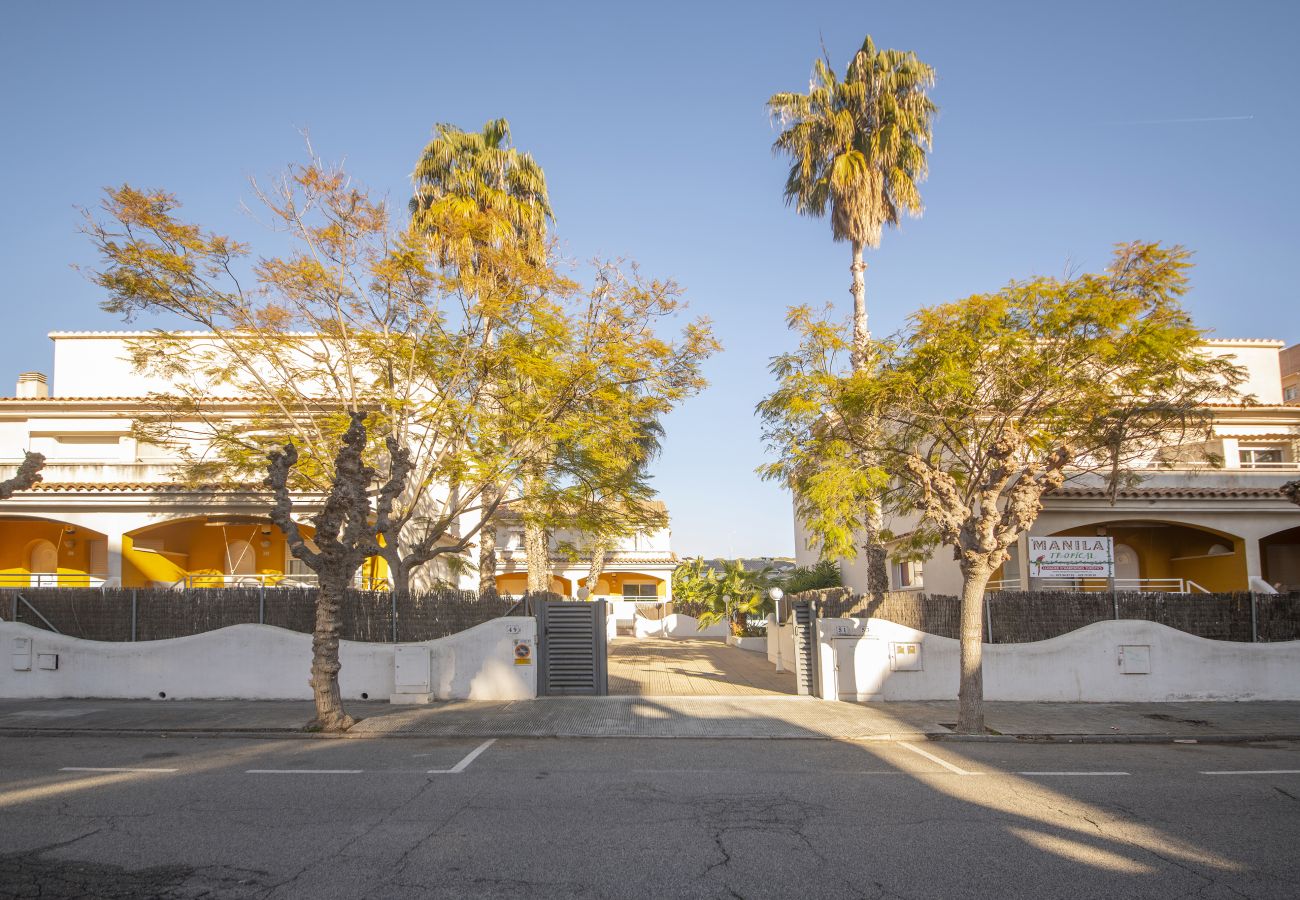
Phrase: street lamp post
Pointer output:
(776, 594)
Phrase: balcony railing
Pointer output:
(60, 580)
(292, 580)
(1099, 585)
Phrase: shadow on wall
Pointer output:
(1116, 661)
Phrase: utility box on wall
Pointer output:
(1135, 659)
(412, 674)
(905, 656)
(22, 654)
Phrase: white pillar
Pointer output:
(114, 572)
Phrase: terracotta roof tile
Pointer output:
(157, 487)
(1188, 493)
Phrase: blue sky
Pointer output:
(1064, 128)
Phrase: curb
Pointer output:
(890, 737)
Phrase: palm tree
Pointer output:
(469, 172)
(858, 146)
(460, 176)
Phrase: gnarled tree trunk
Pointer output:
(970, 695)
(325, 664)
(27, 475)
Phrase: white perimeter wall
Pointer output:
(261, 662)
(1083, 665)
(678, 626)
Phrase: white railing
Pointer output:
(59, 580)
(1143, 585)
(291, 580)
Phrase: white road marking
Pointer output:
(1073, 773)
(303, 771)
(464, 763)
(1257, 772)
(109, 769)
(930, 756)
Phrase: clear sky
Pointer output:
(1063, 129)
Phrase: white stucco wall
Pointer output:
(1083, 665)
(680, 626)
(261, 662)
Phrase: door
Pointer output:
(43, 563)
(571, 648)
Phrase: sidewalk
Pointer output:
(662, 717)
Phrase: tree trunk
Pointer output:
(970, 696)
(399, 576)
(877, 570)
(861, 335)
(487, 547)
(537, 548)
(325, 664)
(599, 549)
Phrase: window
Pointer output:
(1259, 457)
(907, 575)
(640, 592)
(1291, 393)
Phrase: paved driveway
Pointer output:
(654, 667)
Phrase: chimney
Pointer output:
(32, 385)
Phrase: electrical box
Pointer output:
(22, 654)
(905, 656)
(1135, 659)
(411, 669)
(49, 661)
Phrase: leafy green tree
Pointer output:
(723, 592)
(822, 574)
(986, 404)
(858, 150)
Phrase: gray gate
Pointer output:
(571, 648)
(805, 645)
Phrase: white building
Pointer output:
(110, 511)
(637, 568)
(1194, 527)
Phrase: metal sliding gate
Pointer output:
(805, 645)
(571, 648)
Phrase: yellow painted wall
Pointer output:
(192, 547)
(516, 583)
(1178, 551)
(17, 537)
(616, 580)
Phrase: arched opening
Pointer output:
(47, 553)
(1153, 555)
(241, 560)
(1280, 559)
(43, 563)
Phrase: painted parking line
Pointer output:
(464, 763)
(1074, 773)
(1256, 772)
(303, 771)
(956, 770)
(111, 769)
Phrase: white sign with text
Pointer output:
(1071, 557)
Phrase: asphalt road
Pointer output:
(110, 817)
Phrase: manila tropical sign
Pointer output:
(1071, 557)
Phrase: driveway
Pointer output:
(654, 667)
